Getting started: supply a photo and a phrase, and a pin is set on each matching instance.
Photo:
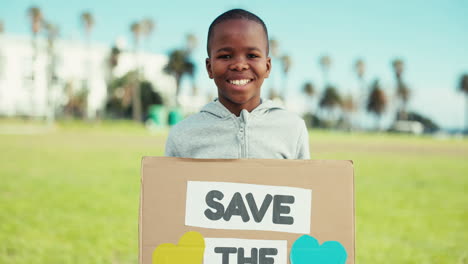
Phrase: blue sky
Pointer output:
(431, 36)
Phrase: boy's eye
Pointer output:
(225, 56)
(252, 56)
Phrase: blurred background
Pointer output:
(352, 65)
(89, 87)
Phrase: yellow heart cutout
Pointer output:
(189, 250)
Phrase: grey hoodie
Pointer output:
(268, 132)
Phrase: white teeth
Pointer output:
(239, 82)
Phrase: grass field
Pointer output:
(71, 194)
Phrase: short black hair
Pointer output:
(236, 14)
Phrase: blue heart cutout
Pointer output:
(307, 250)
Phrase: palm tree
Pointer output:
(360, 68)
(52, 32)
(360, 100)
(114, 57)
(377, 102)
(274, 51)
(179, 64)
(309, 91)
(325, 63)
(348, 103)
(112, 62)
(147, 28)
(137, 30)
(398, 67)
(403, 92)
(2, 64)
(330, 101)
(35, 14)
(286, 62)
(36, 18)
(274, 47)
(87, 20)
(191, 44)
(330, 98)
(463, 87)
(143, 29)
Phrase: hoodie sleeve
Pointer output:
(170, 150)
(303, 151)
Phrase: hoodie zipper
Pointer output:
(243, 140)
(242, 134)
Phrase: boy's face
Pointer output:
(238, 63)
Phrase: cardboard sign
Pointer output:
(246, 211)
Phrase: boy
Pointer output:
(239, 124)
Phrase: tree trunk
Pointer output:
(32, 87)
(466, 113)
(195, 90)
(284, 89)
(88, 68)
(178, 78)
(50, 115)
(377, 122)
(136, 95)
(136, 102)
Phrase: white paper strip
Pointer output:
(222, 205)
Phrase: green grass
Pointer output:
(71, 194)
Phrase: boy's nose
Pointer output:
(239, 64)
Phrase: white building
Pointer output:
(24, 81)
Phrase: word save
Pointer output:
(227, 205)
(238, 207)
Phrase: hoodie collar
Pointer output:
(216, 108)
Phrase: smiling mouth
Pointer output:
(240, 82)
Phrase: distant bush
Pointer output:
(429, 125)
(119, 103)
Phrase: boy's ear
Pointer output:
(268, 65)
(208, 67)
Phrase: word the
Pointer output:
(257, 256)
